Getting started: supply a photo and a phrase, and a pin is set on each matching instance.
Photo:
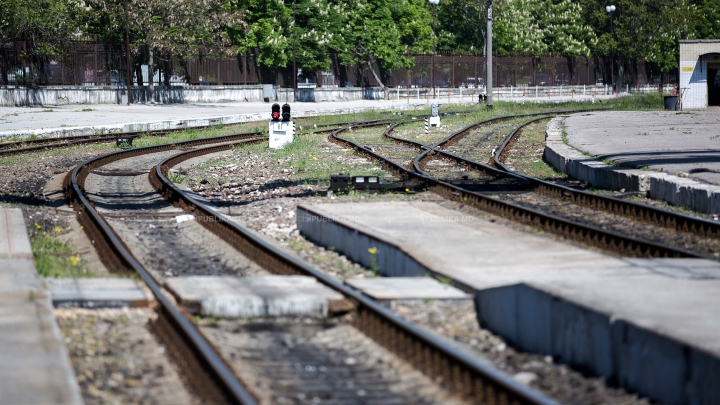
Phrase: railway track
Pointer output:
(215, 359)
(611, 236)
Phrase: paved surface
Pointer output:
(19, 119)
(34, 366)
(407, 288)
(228, 296)
(71, 119)
(95, 292)
(613, 316)
(675, 143)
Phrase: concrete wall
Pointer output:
(627, 355)
(62, 95)
(694, 57)
(340, 94)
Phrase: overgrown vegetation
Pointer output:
(53, 257)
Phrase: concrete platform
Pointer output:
(407, 288)
(652, 326)
(14, 242)
(260, 296)
(34, 366)
(678, 151)
(95, 293)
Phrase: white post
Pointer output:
(583, 89)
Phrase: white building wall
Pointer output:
(694, 54)
(693, 83)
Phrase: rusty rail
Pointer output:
(205, 371)
(459, 372)
(594, 236)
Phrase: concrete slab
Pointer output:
(34, 366)
(407, 288)
(677, 149)
(261, 296)
(14, 241)
(651, 325)
(95, 292)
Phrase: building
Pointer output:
(699, 77)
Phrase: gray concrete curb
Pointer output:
(543, 318)
(675, 190)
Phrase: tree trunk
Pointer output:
(621, 72)
(151, 76)
(166, 72)
(377, 79)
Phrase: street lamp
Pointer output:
(610, 10)
(432, 68)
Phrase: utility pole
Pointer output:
(488, 54)
(432, 68)
(127, 53)
(294, 62)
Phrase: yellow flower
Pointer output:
(373, 250)
(37, 225)
(75, 260)
(82, 227)
(314, 157)
(407, 190)
(57, 229)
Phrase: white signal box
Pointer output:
(281, 133)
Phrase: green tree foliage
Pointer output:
(384, 32)
(186, 29)
(43, 25)
(707, 22)
(646, 29)
(564, 30)
(519, 30)
(461, 24)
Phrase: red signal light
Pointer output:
(275, 112)
(275, 116)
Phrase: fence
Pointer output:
(104, 64)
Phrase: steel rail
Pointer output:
(607, 204)
(644, 213)
(35, 145)
(606, 240)
(219, 385)
(476, 381)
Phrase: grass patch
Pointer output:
(54, 258)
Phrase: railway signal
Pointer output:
(286, 112)
(281, 129)
(434, 115)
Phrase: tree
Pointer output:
(461, 24)
(519, 30)
(707, 19)
(184, 28)
(384, 32)
(564, 30)
(42, 27)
